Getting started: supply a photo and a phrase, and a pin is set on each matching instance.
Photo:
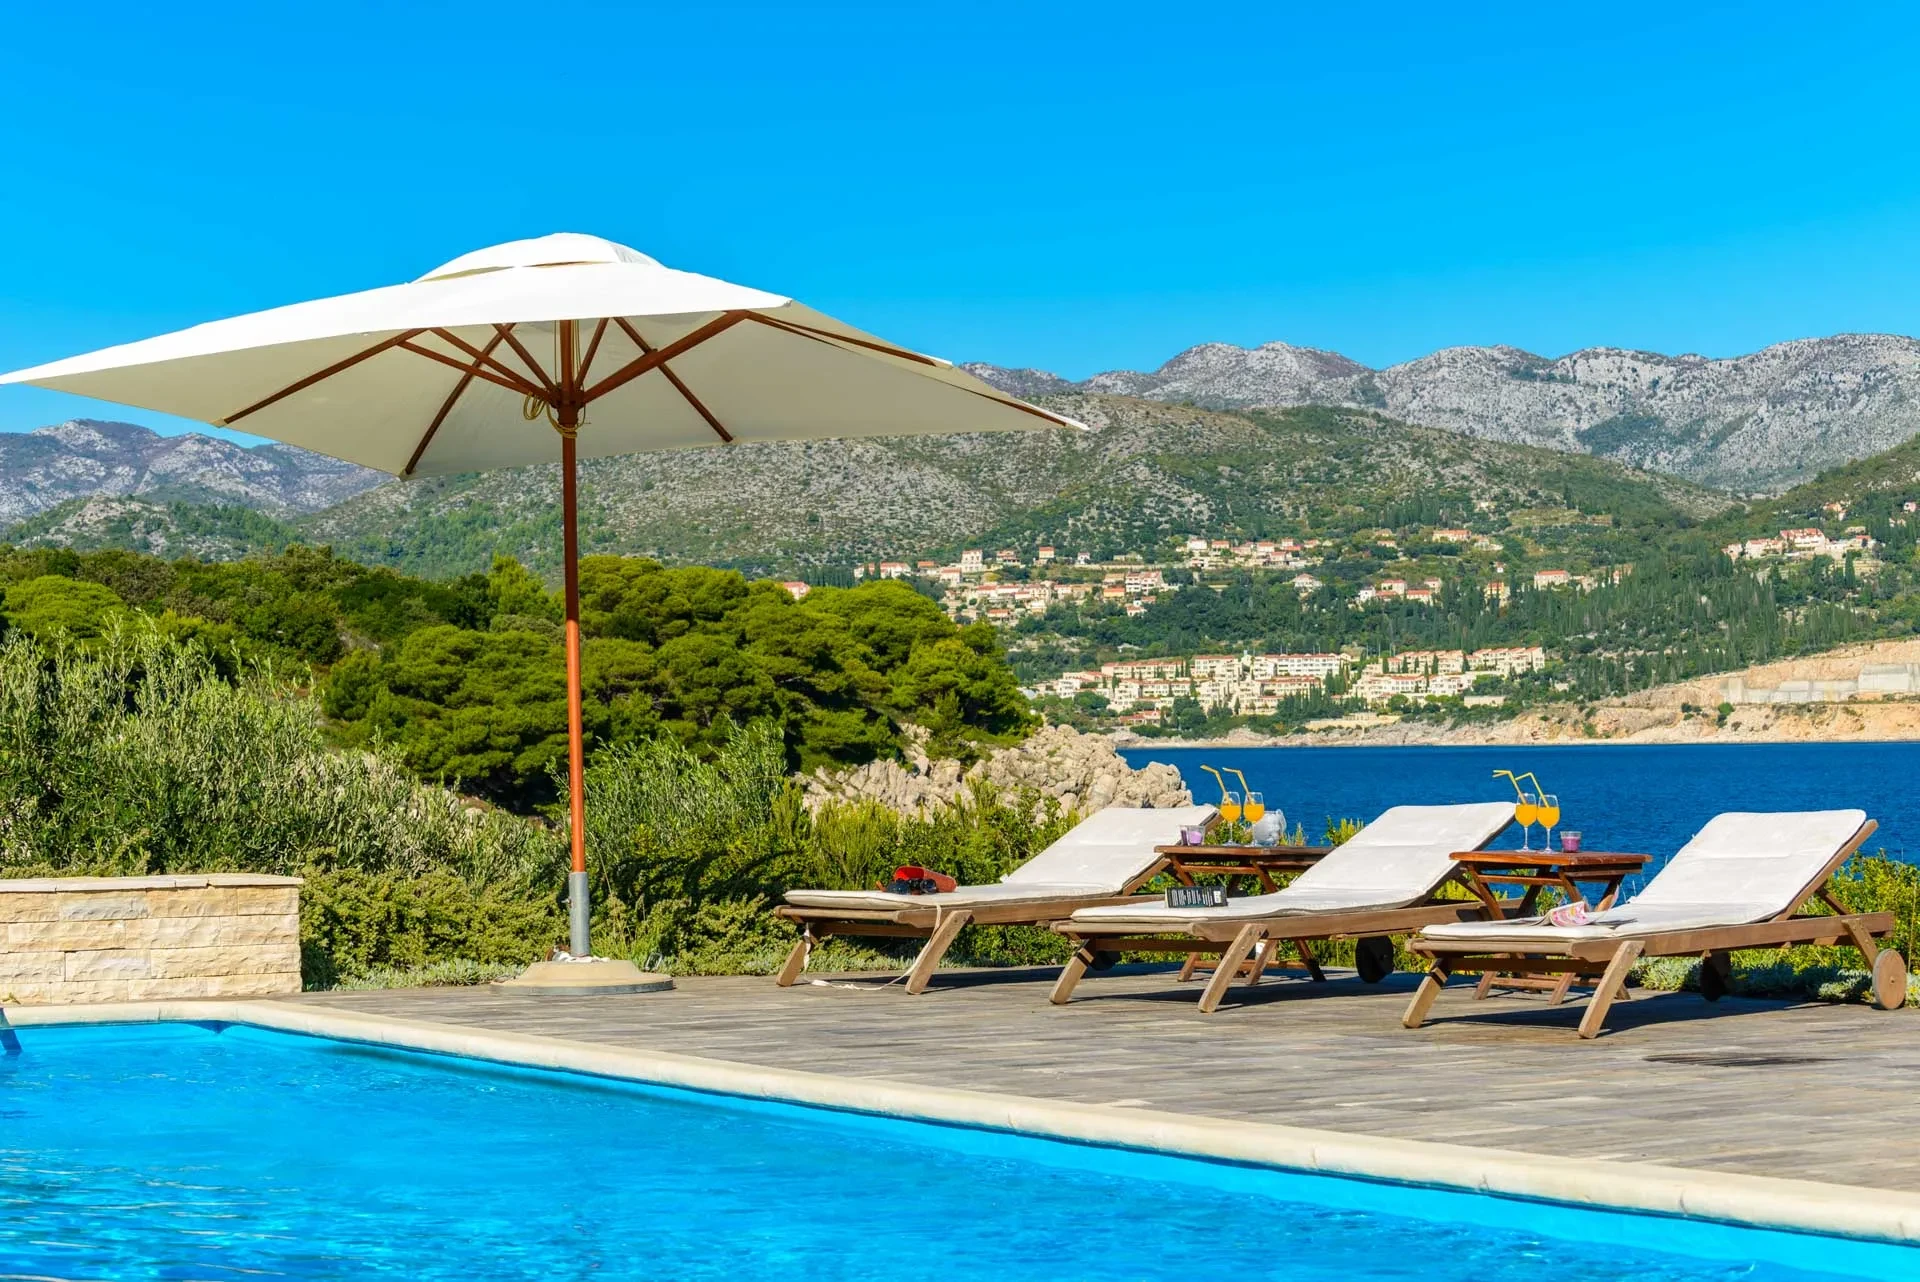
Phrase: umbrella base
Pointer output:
(588, 977)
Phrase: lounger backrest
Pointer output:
(1759, 864)
(1111, 848)
(1406, 853)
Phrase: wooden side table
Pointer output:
(1564, 871)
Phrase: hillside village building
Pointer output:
(1802, 545)
(1257, 685)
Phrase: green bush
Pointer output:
(54, 606)
(354, 923)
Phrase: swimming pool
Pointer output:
(186, 1150)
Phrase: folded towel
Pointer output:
(1573, 914)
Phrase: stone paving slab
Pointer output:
(1809, 1091)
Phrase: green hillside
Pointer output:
(1869, 488)
(153, 524)
(1147, 471)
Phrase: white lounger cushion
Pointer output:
(1103, 855)
(1740, 868)
(1000, 893)
(1395, 861)
(1109, 850)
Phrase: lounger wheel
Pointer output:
(1716, 976)
(1889, 980)
(1104, 961)
(1373, 958)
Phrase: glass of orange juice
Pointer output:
(1549, 814)
(1527, 811)
(1230, 807)
(1256, 807)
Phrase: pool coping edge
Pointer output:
(1756, 1201)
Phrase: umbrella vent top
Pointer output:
(562, 249)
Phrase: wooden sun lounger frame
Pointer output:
(1234, 939)
(1609, 961)
(938, 926)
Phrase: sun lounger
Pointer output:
(1382, 882)
(1103, 860)
(1737, 884)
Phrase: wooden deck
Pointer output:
(1818, 1092)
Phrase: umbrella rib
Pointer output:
(398, 340)
(540, 375)
(633, 335)
(686, 393)
(515, 384)
(832, 339)
(486, 357)
(634, 369)
(593, 345)
(446, 407)
(827, 336)
(1055, 419)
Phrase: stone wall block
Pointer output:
(91, 906)
(224, 963)
(228, 901)
(39, 967)
(109, 963)
(17, 906)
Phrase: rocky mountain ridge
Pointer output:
(1754, 424)
(90, 458)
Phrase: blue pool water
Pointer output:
(188, 1152)
(1641, 797)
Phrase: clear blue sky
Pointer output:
(1076, 186)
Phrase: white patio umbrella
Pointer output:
(484, 362)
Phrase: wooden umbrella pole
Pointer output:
(567, 420)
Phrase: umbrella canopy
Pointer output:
(436, 376)
(481, 362)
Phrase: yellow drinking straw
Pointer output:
(1217, 779)
(1244, 790)
(1229, 810)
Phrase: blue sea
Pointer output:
(163, 1153)
(1638, 797)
